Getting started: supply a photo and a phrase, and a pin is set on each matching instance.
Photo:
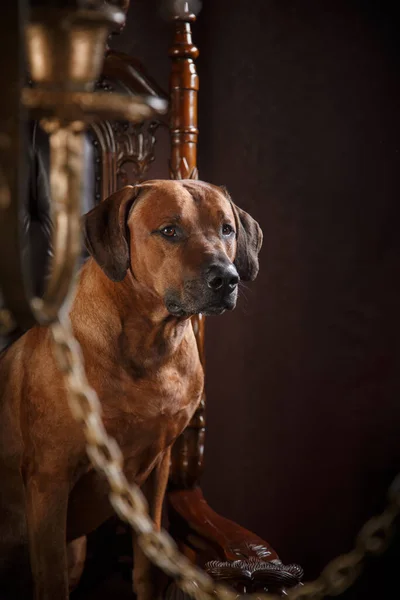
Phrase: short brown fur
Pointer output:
(142, 361)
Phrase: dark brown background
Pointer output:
(299, 118)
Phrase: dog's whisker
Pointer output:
(242, 294)
(244, 286)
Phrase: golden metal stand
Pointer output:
(65, 50)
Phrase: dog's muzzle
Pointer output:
(214, 293)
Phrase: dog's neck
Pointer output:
(125, 317)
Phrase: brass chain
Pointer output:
(131, 506)
(7, 323)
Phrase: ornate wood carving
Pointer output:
(123, 151)
(135, 147)
(255, 575)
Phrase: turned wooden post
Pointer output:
(187, 455)
(184, 86)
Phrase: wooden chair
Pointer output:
(122, 154)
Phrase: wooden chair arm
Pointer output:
(226, 550)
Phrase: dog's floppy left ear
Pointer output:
(249, 241)
(106, 235)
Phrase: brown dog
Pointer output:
(162, 251)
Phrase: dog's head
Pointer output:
(184, 240)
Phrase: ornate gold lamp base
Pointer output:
(65, 49)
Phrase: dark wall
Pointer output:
(299, 118)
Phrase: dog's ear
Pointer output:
(249, 241)
(106, 232)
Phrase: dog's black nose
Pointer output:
(222, 278)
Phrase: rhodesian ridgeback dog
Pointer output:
(160, 252)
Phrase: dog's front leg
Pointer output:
(148, 581)
(47, 503)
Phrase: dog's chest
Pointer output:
(146, 414)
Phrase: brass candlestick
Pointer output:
(65, 51)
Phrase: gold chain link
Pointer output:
(131, 506)
(7, 323)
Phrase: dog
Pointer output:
(160, 252)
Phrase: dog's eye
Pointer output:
(169, 231)
(227, 229)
